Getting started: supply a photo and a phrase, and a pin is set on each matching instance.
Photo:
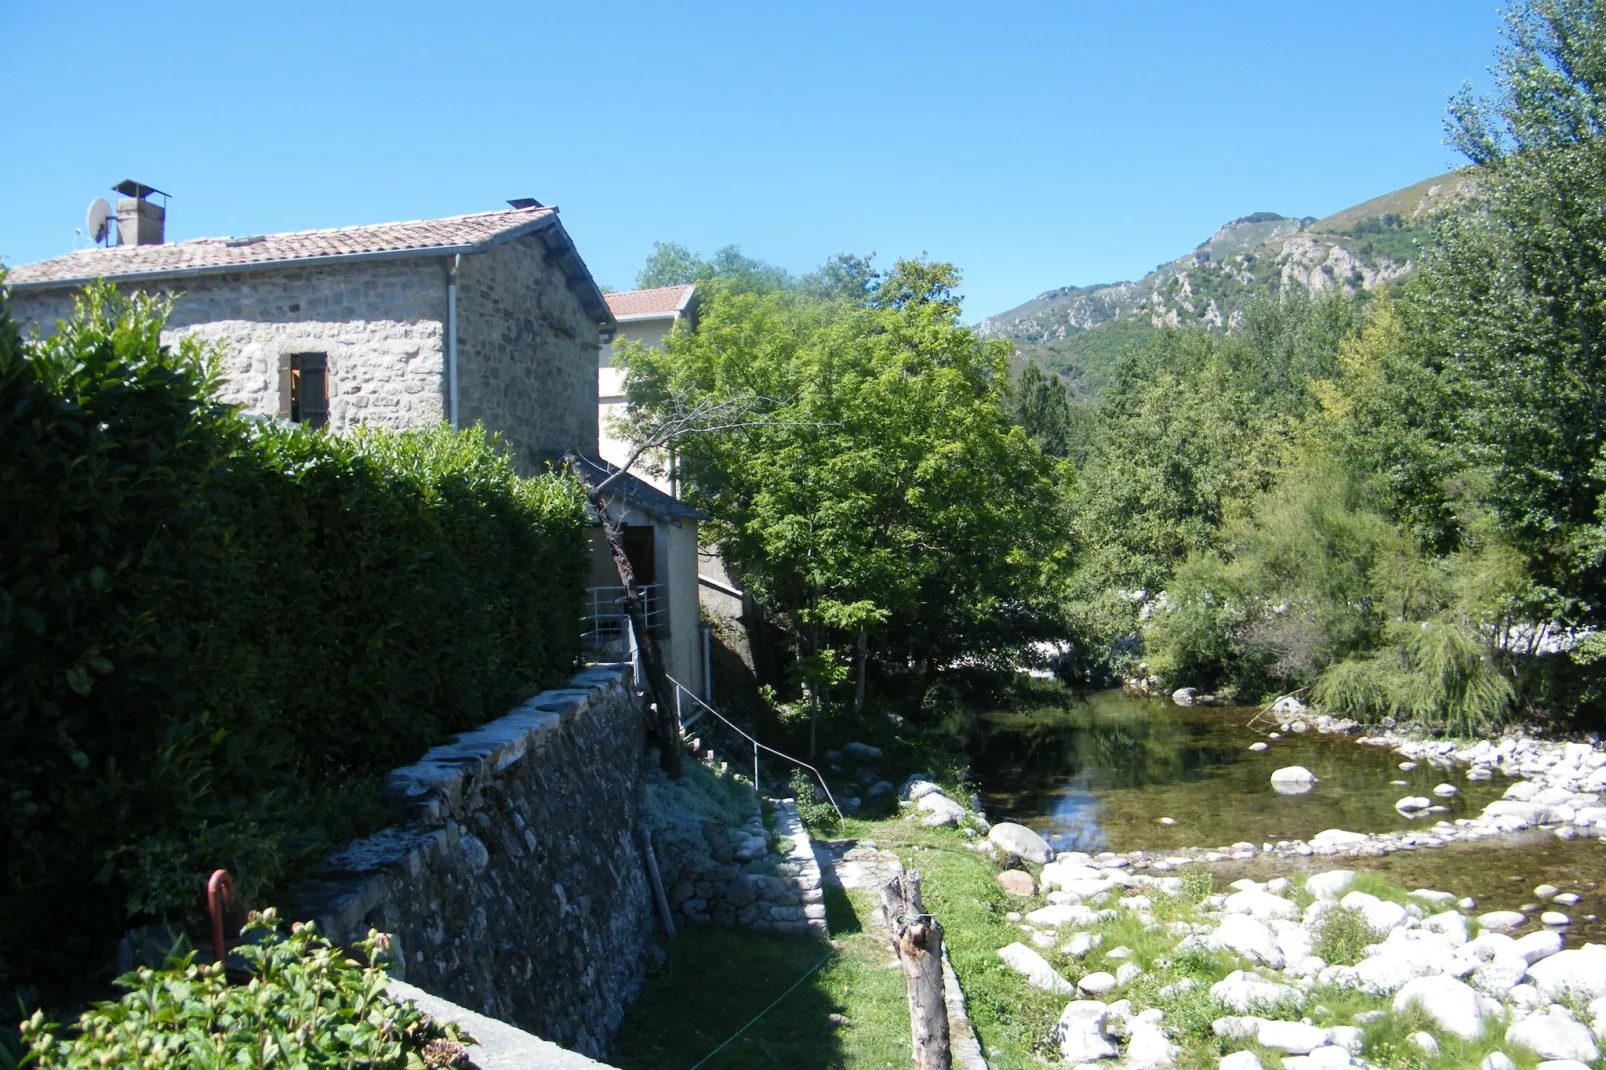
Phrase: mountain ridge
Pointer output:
(1077, 331)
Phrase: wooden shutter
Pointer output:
(314, 382)
(287, 385)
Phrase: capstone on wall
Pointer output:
(379, 324)
(515, 885)
(527, 352)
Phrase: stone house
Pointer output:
(644, 316)
(489, 317)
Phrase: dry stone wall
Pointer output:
(742, 882)
(515, 885)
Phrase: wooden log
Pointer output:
(917, 939)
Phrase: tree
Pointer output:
(1513, 301)
(878, 501)
(1043, 408)
(672, 264)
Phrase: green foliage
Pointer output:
(1043, 408)
(672, 264)
(1197, 883)
(1342, 936)
(214, 634)
(873, 485)
(308, 1004)
(1437, 673)
(1512, 300)
(816, 812)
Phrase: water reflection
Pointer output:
(1100, 771)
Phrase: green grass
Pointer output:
(1011, 1018)
(716, 980)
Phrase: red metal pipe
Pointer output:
(219, 891)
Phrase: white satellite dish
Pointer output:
(95, 224)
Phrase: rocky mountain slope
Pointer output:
(1078, 331)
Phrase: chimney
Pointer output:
(139, 221)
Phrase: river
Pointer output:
(1113, 771)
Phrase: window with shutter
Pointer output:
(304, 388)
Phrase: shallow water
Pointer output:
(1500, 873)
(1097, 772)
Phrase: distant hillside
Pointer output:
(1078, 331)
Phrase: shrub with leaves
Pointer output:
(307, 1004)
(816, 813)
(1342, 936)
(216, 635)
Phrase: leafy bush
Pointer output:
(816, 813)
(1197, 883)
(307, 1004)
(1342, 936)
(216, 635)
(1436, 672)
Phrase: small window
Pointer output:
(304, 388)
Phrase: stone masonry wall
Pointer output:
(515, 884)
(378, 322)
(527, 352)
(744, 883)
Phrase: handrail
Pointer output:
(756, 745)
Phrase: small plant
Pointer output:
(817, 814)
(307, 1004)
(1342, 936)
(1197, 884)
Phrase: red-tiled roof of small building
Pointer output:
(456, 233)
(665, 301)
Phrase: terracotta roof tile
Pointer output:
(221, 254)
(663, 301)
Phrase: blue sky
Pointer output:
(1035, 145)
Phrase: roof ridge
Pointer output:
(312, 231)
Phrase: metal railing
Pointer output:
(607, 632)
(682, 689)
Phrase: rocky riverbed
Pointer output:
(1419, 976)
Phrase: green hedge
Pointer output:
(215, 635)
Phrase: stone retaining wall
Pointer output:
(513, 885)
(776, 892)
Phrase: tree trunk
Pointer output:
(917, 938)
(864, 669)
(659, 690)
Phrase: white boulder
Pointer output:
(1501, 919)
(1577, 974)
(1240, 1060)
(1292, 780)
(1021, 842)
(1336, 838)
(1032, 966)
(940, 810)
(1244, 935)
(1551, 1036)
(1296, 1038)
(1536, 946)
(1262, 906)
(1059, 915)
(1148, 1048)
(1081, 1034)
(1096, 984)
(1246, 993)
(1451, 1004)
(1331, 884)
